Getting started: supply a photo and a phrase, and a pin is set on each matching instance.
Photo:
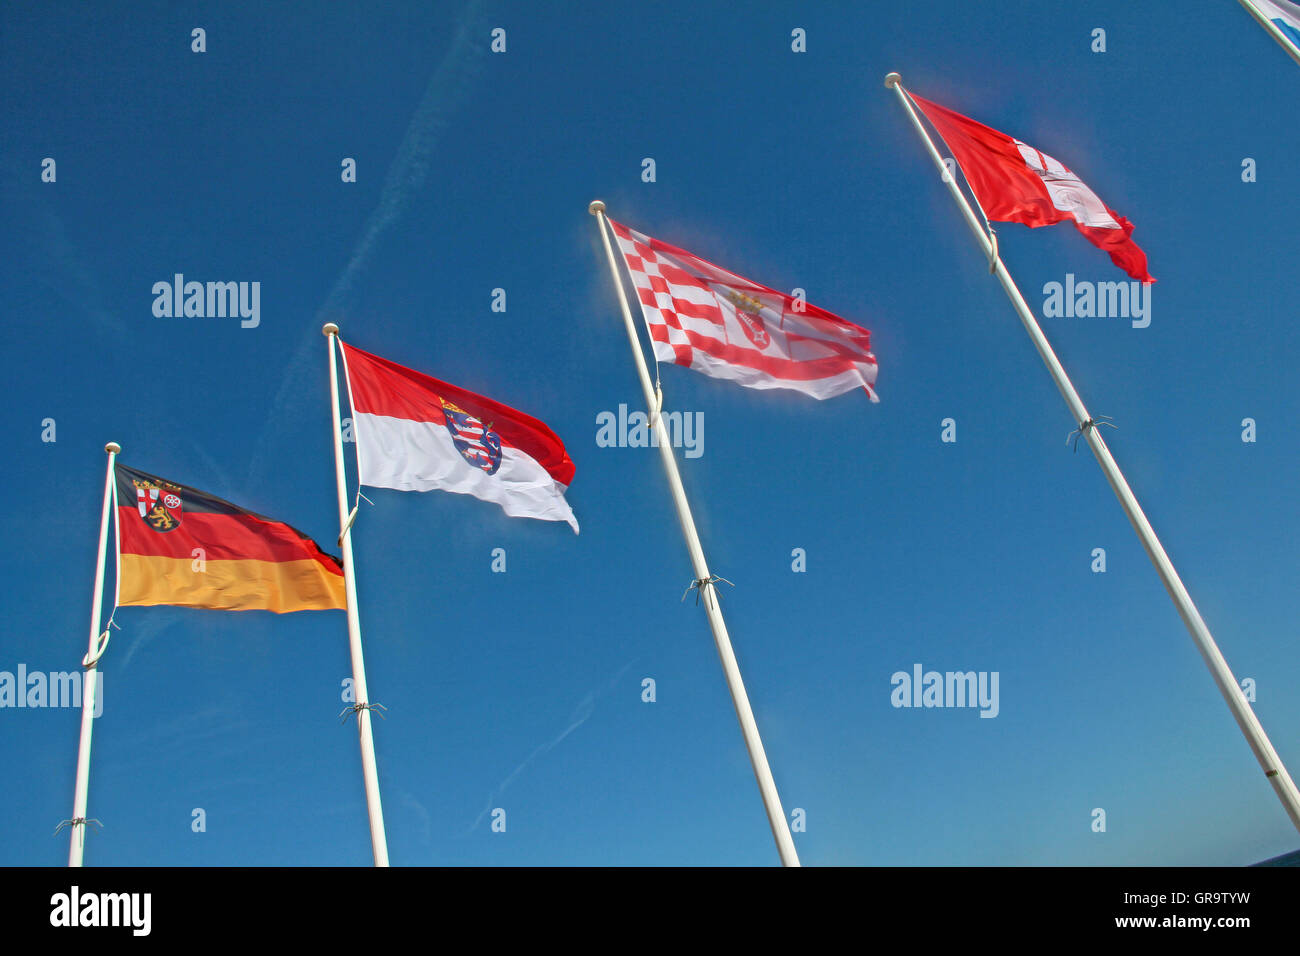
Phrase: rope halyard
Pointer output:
(659, 399)
(101, 645)
(699, 584)
(352, 516)
(347, 526)
(1083, 429)
(357, 708)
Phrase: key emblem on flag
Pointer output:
(748, 313)
(476, 442)
(160, 508)
(752, 324)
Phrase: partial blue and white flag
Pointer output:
(1285, 19)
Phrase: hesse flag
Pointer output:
(415, 433)
(725, 326)
(1016, 183)
(177, 545)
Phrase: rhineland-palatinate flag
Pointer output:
(415, 433)
(1016, 183)
(728, 327)
(178, 545)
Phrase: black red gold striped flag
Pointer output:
(178, 545)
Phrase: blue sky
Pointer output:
(522, 690)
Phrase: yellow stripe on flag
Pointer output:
(242, 585)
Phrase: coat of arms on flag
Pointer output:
(159, 504)
(251, 562)
(416, 433)
(749, 313)
(476, 442)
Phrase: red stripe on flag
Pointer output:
(687, 260)
(794, 370)
(1010, 191)
(382, 387)
(223, 537)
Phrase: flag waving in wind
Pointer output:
(415, 433)
(718, 323)
(178, 545)
(1014, 182)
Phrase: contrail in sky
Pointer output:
(450, 82)
(55, 259)
(445, 93)
(584, 709)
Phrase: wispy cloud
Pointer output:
(162, 742)
(421, 811)
(406, 178)
(55, 259)
(142, 632)
(581, 712)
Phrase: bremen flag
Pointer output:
(718, 323)
(415, 433)
(177, 545)
(1014, 182)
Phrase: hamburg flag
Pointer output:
(1014, 182)
(415, 433)
(718, 323)
(178, 545)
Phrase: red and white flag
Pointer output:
(415, 433)
(1016, 183)
(725, 326)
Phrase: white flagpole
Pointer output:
(90, 678)
(378, 839)
(1282, 39)
(1241, 710)
(704, 580)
